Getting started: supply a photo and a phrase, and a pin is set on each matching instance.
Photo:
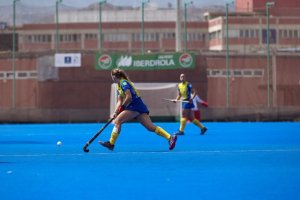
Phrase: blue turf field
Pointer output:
(232, 161)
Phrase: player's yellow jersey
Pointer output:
(185, 90)
(124, 85)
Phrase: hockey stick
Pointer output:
(175, 100)
(85, 148)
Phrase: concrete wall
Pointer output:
(82, 94)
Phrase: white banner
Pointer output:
(68, 60)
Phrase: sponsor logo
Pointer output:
(144, 62)
(68, 59)
(105, 61)
(124, 61)
(186, 60)
(168, 61)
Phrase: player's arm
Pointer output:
(118, 106)
(204, 103)
(177, 97)
(194, 93)
(127, 99)
(123, 102)
(201, 102)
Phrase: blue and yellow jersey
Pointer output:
(185, 90)
(124, 85)
(136, 103)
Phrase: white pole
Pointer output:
(178, 27)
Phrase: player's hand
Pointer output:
(174, 101)
(114, 115)
(118, 111)
(204, 103)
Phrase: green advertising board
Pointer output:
(146, 61)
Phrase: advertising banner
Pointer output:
(146, 61)
(67, 60)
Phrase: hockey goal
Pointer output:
(153, 95)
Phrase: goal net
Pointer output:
(153, 95)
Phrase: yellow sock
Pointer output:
(162, 133)
(182, 124)
(197, 123)
(113, 138)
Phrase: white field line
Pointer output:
(152, 152)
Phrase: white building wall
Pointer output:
(117, 16)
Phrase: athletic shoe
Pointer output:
(172, 142)
(179, 133)
(107, 145)
(203, 130)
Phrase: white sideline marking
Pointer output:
(152, 152)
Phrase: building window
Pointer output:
(124, 37)
(22, 75)
(245, 73)
(192, 37)
(32, 74)
(285, 33)
(19, 75)
(69, 38)
(37, 38)
(295, 34)
(241, 33)
(237, 73)
(290, 34)
(216, 72)
(258, 73)
(91, 36)
(233, 33)
(169, 35)
(135, 37)
(215, 35)
(119, 37)
(3, 25)
(252, 33)
(200, 36)
(247, 33)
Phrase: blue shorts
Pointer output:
(187, 105)
(137, 105)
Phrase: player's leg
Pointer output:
(197, 114)
(197, 123)
(183, 121)
(123, 117)
(145, 120)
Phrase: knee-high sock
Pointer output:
(162, 132)
(197, 123)
(113, 137)
(182, 124)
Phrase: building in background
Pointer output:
(6, 37)
(122, 29)
(247, 26)
(282, 7)
(117, 36)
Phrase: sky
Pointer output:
(134, 3)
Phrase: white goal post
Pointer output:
(153, 95)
